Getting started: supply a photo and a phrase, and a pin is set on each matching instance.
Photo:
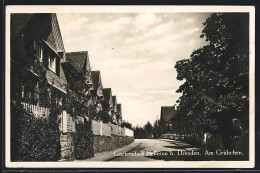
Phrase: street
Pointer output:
(153, 149)
(160, 150)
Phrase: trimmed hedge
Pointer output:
(83, 140)
(109, 143)
(33, 139)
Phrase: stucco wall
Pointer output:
(108, 143)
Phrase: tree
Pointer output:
(216, 87)
(148, 129)
(127, 125)
(156, 129)
(139, 133)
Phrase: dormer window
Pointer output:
(52, 63)
(38, 51)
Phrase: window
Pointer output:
(38, 51)
(58, 99)
(52, 63)
(58, 67)
(50, 60)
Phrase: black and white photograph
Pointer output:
(130, 86)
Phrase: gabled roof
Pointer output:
(119, 110)
(78, 60)
(167, 113)
(114, 103)
(18, 22)
(97, 83)
(57, 34)
(107, 92)
(44, 25)
(95, 78)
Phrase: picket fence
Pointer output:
(38, 111)
(107, 129)
(67, 124)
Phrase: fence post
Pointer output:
(41, 112)
(64, 117)
(101, 128)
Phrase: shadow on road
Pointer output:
(177, 147)
(185, 152)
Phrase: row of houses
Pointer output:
(43, 73)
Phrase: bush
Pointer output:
(127, 125)
(104, 116)
(83, 141)
(33, 139)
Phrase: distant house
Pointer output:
(78, 73)
(107, 92)
(80, 61)
(115, 112)
(167, 113)
(98, 89)
(119, 112)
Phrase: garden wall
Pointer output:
(108, 143)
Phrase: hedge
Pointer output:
(33, 139)
(83, 140)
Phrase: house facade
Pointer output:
(167, 113)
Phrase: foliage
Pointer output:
(148, 127)
(83, 141)
(139, 133)
(127, 125)
(104, 116)
(93, 112)
(147, 131)
(33, 139)
(157, 130)
(216, 79)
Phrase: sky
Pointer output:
(136, 54)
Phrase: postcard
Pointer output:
(130, 86)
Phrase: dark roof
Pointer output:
(114, 103)
(97, 83)
(45, 25)
(19, 22)
(167, 113)
(95, 78)
(77, 59)
(107, 93)
(119, 109)
(114, 99)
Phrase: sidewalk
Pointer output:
(108, 155)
